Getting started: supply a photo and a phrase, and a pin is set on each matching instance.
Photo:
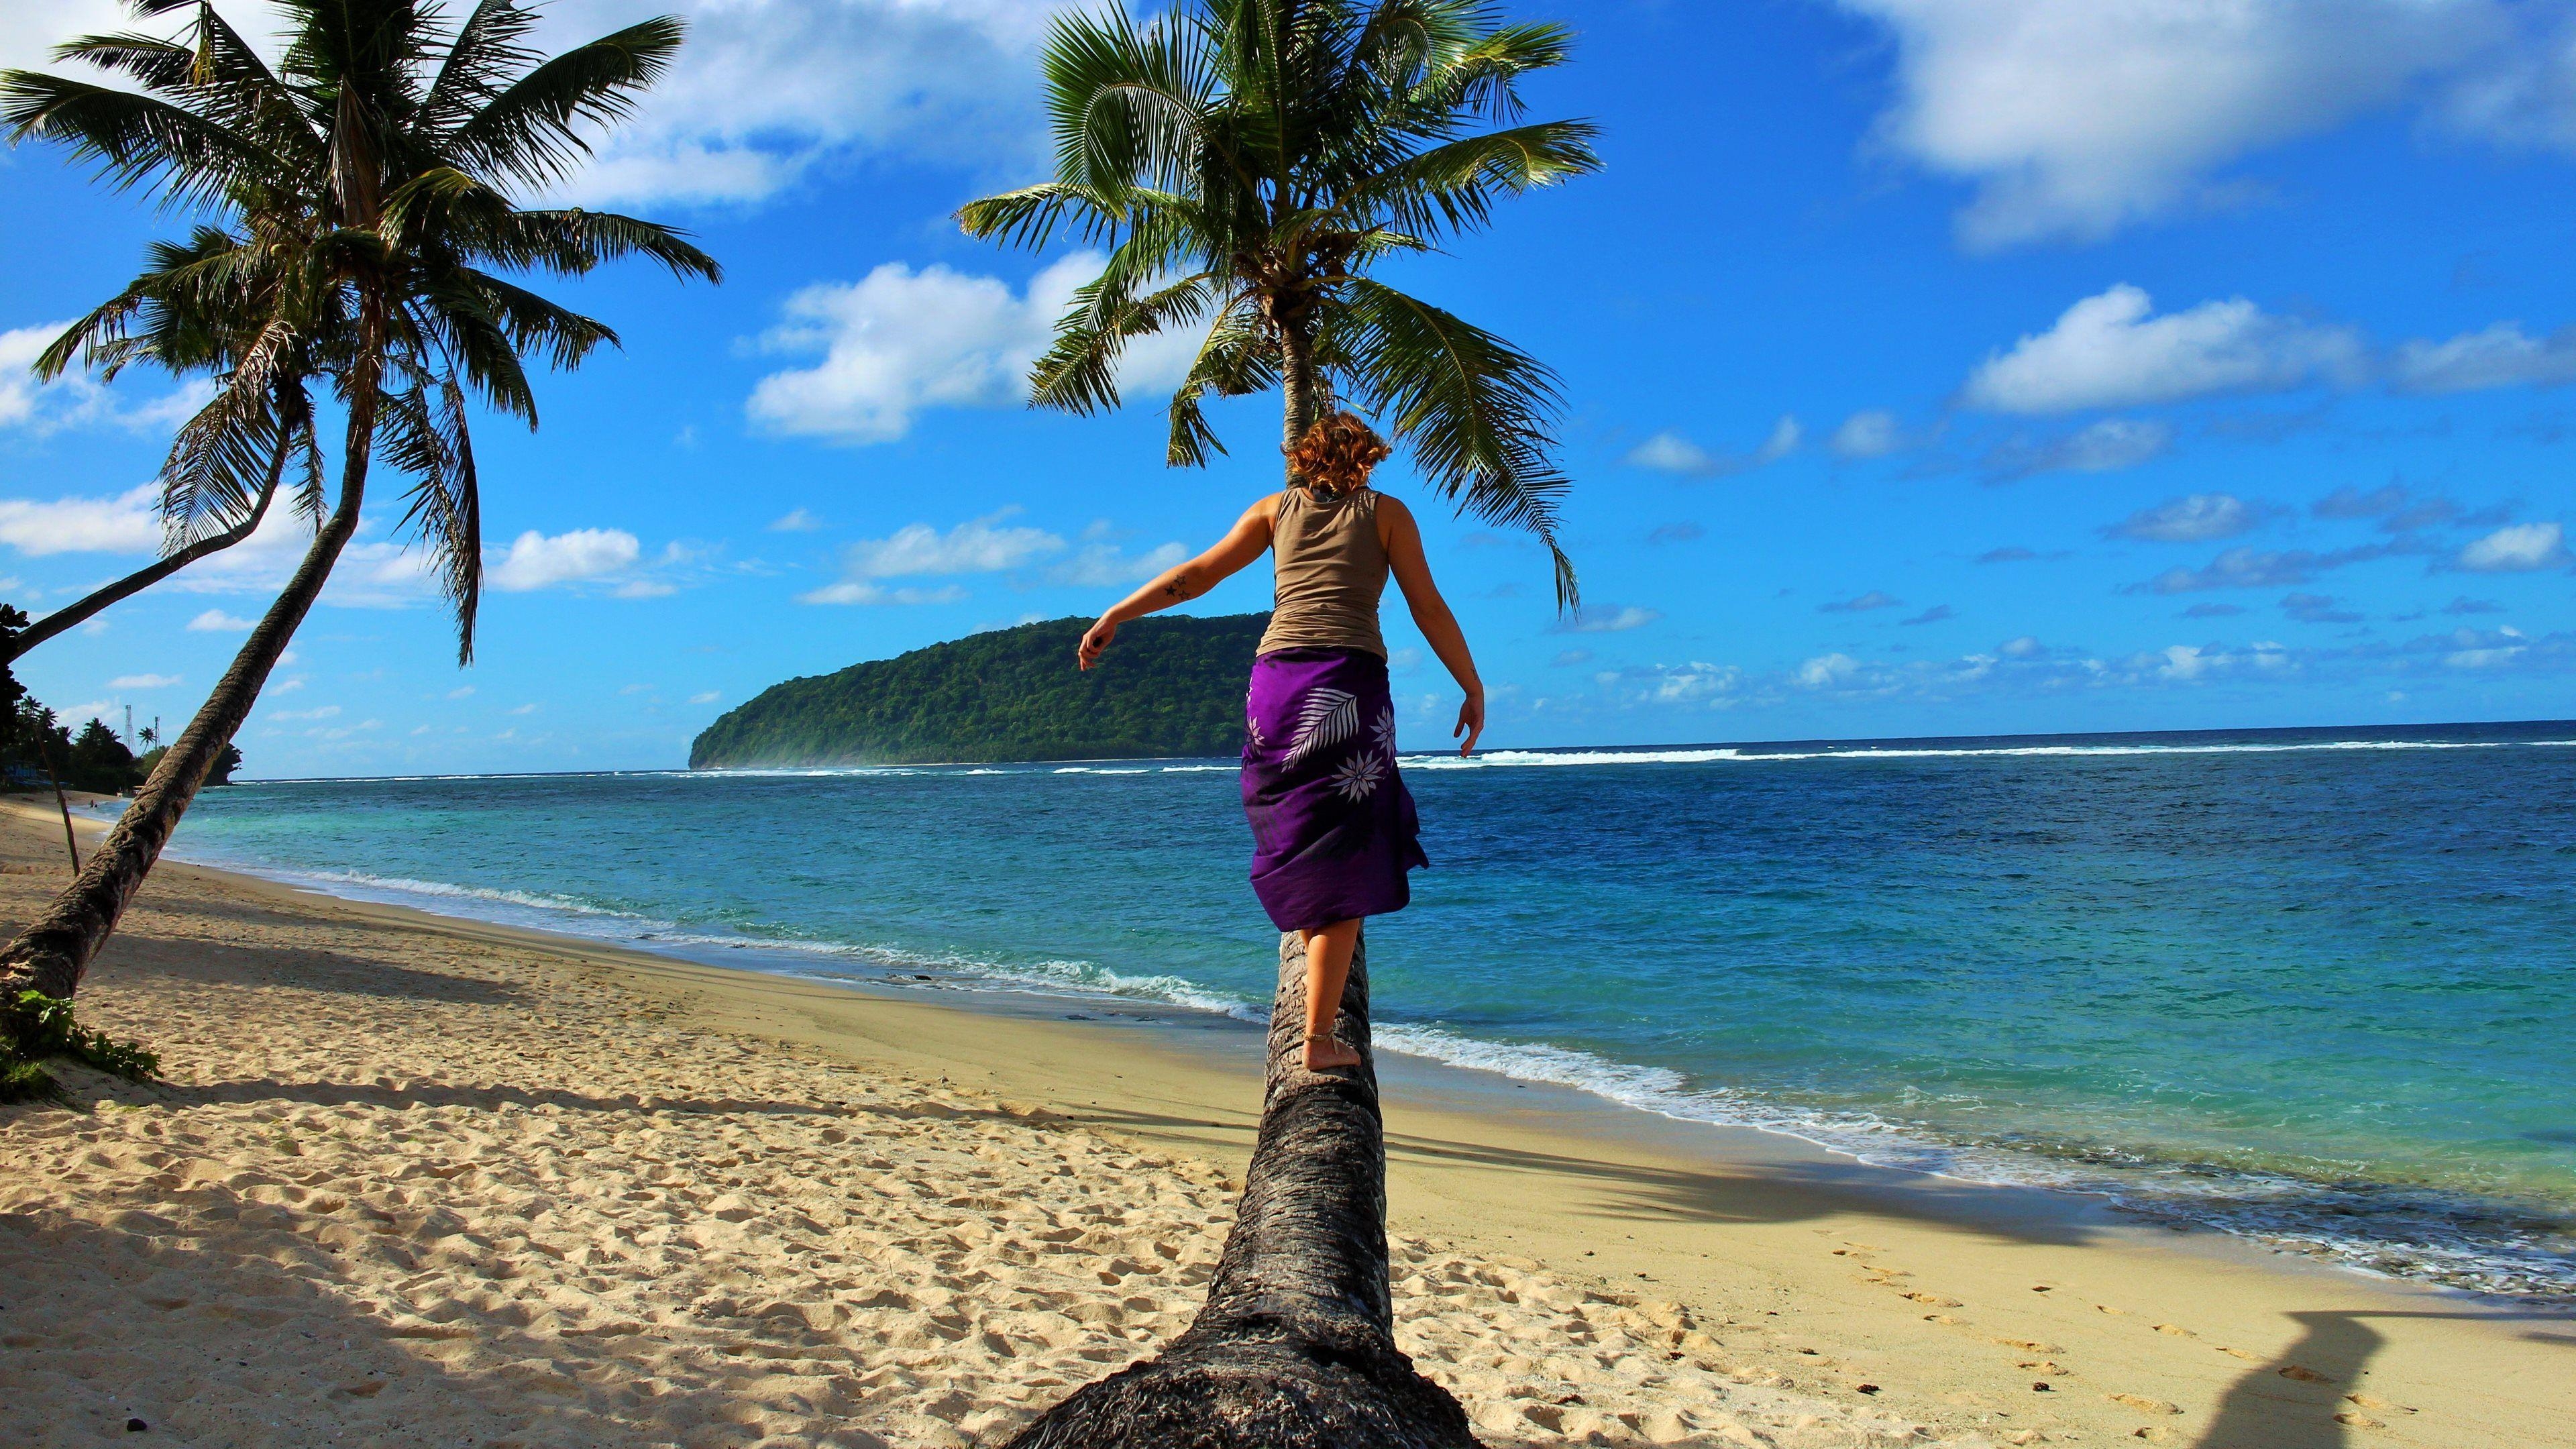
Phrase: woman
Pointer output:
(1333, 828)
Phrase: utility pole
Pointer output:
(129, 727)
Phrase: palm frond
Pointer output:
(132, 140)
(1455, 185)
(1473, 409)
(1234, 360)
(1126, 101)
(423, 433)
(573, 241)
(1079, 372)
(1029, 216)
(531, 131)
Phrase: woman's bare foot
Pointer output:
(1323, 1054)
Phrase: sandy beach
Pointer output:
(414, 1181)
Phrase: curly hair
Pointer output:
(1337, 453)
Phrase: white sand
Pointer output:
(411, 1184)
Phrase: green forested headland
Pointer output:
(1170, 686)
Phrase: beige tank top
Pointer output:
(1328, 569)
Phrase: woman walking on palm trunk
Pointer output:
(1333, 827)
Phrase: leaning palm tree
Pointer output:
(368, 180)
(171, 317)
(1249, 163)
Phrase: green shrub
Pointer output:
(34, 1026)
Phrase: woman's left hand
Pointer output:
(1471, 723)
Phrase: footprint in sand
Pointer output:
(2369, 1401)
(2145, 1405)
(2303, 1375)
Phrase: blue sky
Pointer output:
(1933, 367)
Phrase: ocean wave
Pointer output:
(2395, 1230)
(1508, 759)
(443, 890)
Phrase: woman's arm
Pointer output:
(1403, 540)
(1241, 545)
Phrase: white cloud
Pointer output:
(537, 560)
(126, 523)
(216, 621)
(2526, 96)
(2194, 518)
(860, 591)
(2111, 351)
(796, 520)
(769, 92)
(706, 696)
(1607, 619)
(2502, 355)
(1826, 671)
(2073, 118)
(1870, 434)
(976, 546)
(1670, 452)
(1874, 599)
(328, 711)
(143, 681)
(1102, 565)
(2025, 647)
(2248, 568)
(1694, 683)
(462, 691)
(2518, 548)
(2105, 446)
(898, 341)
(74, 400)
(2183, 661)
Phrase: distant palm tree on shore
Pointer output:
(366, 188)
(1250, 162)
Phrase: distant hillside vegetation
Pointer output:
(1170, 686)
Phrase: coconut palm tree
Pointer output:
(1250, 163)
(368, 180)
(171, 317)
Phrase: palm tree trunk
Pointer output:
(153, 573)
(1296, 1346)
(71, 842)
(1298, 385)
(53, 952)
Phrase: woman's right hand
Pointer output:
(1096, 642)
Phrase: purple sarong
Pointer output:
(1333, 829)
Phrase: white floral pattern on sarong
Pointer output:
(1358, 776)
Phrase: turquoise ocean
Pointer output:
(2316, 987)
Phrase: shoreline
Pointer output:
(1949, 1300)
(2272, 1213)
